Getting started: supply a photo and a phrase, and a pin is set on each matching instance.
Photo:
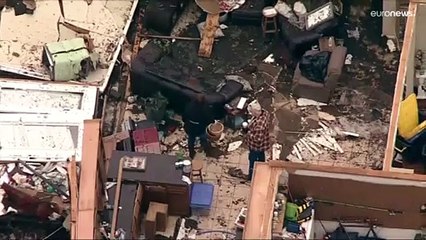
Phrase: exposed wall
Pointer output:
(385, 233)
(382, 193)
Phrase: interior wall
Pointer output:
(374, 192)
(385, 233)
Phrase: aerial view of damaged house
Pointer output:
(212, 119)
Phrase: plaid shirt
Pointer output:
(257, 137)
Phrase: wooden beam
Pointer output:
(290, 166)
(117, 199)
(206, 45)
(399, 87)
(73, 183)
(258, 224)
(87, 203)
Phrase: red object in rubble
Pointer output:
(145, 136)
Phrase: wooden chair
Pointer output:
(197, 169)
(269, 21)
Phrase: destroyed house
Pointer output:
(350, 203)
(136, 180)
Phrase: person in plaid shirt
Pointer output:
(257, 139)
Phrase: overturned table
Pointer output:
(159, 182)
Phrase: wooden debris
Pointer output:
(326, 116)
(296, 151)
(73, 182)
(206, 45)
(171, 37)
(309, 148)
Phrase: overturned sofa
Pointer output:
(148, 78)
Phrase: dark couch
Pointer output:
(299, 41)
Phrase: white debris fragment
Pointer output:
(299, 8)
(276, 151)
(308, 147)
(234, 146)
(348, 59)
(303, 102)
(284, 9)
(326, 116)
(269, 59)
(351, 134)
(354, 33)
(223, 26)
(143, 43)
(297, 152)
(4, 178)
(391, 45)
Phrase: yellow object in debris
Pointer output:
(408, 120)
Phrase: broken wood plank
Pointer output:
(117, 198)
(309, 148)
(296, 151)
(73, 185)
(261, 202)
(313, 146)
(87, 202)
(206, 45)
(171, 37)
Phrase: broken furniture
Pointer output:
(145, 137)
(162, 15)
(300, 40)
(201, 198)
(160, 182)
(241, 218)
(67, 60)
(236, 113)
(156, 219)
(208, 36)
(146, 81)
(320, 15)
(250, 12)
(269, 21)
(410, 141)
(318, 91)
(197, 169)
(185, 229)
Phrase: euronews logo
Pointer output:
(391, 14)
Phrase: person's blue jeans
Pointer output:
(254, 156)
(191, 143)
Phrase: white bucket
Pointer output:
(187, 166)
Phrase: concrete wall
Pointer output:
(364, 197)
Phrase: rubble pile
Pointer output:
(43, 178)
(343, 141)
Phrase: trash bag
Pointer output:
(314, 67)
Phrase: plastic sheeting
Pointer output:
(314, 67)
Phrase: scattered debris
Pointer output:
(299, 9)
(269, 59)
(234, 146)
(354, 33)
(237, 173)
(303, 102)
(348, 59)
(391, 45)
(326, 116)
